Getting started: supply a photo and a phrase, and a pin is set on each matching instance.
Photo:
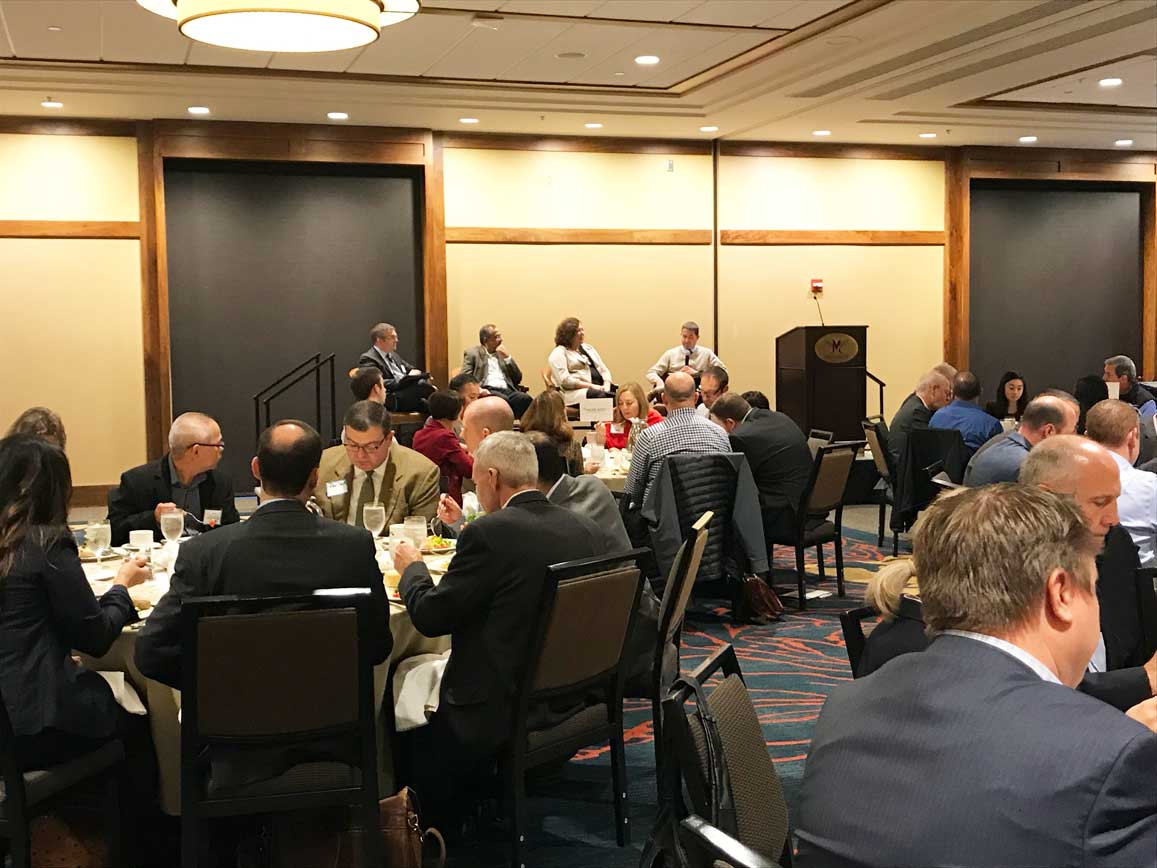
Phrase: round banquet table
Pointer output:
(164, 702)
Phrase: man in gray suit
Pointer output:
(978, 752)
(495, 369)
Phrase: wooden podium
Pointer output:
(821, 378)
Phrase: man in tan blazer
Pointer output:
(369, 466)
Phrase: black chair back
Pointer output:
(829, 478)
(852, 624)
(1147, 610)
(876, 434)
(705, 483)
(926, 453)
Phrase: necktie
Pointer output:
(367, 496)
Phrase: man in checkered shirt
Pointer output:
(682, 431)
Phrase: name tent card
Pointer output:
(596, 409)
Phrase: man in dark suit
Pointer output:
(1122, 371)
(495, 369)
(486, 602)
(185, 479)
(778, 454)
(282, 549)
(904, 763)
(933, 391)
(406, 386)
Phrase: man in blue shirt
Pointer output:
(963, 414)
(1000, 461)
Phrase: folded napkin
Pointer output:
(417, 682)
(124, 693)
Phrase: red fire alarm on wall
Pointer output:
(817, 287)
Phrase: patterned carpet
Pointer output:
(790, 667)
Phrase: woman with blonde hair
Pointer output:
(901, 627)
(547, 413)
(630, 407)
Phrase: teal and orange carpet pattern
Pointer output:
(789, 666)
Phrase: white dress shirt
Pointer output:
(701, 358)
(1011, 650)
(494, 376)
(1137, 508)
(378, 474)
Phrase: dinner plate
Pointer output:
(87, 557)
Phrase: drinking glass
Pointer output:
(98, 539)
(172, 524)
(415, 527)
(374, 516)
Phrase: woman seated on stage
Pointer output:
(576, 367)
(630, 407)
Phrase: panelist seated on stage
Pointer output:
(933, 391)
(964, 415)
(371, 467)
(690, 357)
(999, 460)
(185, 479)
(495, 369)
(406, 385)
(283, 549)
(576, 367)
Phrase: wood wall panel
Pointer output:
(956, 217)
(434, 263)
(510, 235)
(155, 407)
(1149, 282)
(795, 237)
(70, 229)
(577, 144)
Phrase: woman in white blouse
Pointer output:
(576, 367)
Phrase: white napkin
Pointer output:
(417, 682)
(124, 693)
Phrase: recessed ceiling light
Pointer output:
(1123, 143)
(709, 129)
(593, 126)
(927, 135)
(54, 28)
(571, 55)
(51, 103)
(467, 120)
(198, 110)
(1111, 82)
(821, 132)
(1027, 140)
(338, 116)
(646, 60)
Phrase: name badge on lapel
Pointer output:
(336, 488)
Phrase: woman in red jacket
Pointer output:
(630, 404)
(438, 442)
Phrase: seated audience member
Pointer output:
(1121, 370)
(630, 407)
(370, 467)
(484, 417)
(1006, 576)
(185, 479)
(283, 549)
(901, 627)
(495, 369)
(757, 399)
(778, 454)
(1011, 398)
(367, 385)
(1089, 391)
(585, 494)
(690, 357)
(406, 386)
(713, 382)
(438, 442)
(547, 414)
(487, 602)
(1000, 460)
(576, 367)
(39, 422)
(682, 431)
(1117, 427)
(1119, 672)
(467, 387)
(963, 414)
(947, 372)
(933, 391)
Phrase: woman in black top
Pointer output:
(901, 627)
(1011, 398)
(57, 708)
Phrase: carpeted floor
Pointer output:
(790, 667)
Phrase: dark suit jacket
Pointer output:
(282, 549)
(964, 756)
(911, 415)
(373, 357)
(131, 504)
(487, 602)
(47, 610)
(779, 457)
(474, 362)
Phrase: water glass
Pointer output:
(172, 524)
(415, 529)
(374, 516)
(98, 539)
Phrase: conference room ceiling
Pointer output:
(874, 71)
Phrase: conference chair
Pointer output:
(823, 495)
(927, 452)
(547, 374)
(852, 625)
(876, 433)
(277, 711)
(705, 846)
(818, 437)
(28, 795)
(586, 614)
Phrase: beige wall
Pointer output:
(70, 310)
(896, 291)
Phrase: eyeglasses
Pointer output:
(220, 445)
(363, 448)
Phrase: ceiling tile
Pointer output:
(645, 10)
(673, 46)
(736, 13)
(135, 35)
(569, 8)
(410, 47)
(1139, 87)
(487, 54)
(323, 61)
(597, 41)
(29, 20)
(672, 74)
(790, 14)
(202, 54)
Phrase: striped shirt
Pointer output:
(682, 431)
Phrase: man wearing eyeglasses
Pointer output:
(185, 480)
(370, 467)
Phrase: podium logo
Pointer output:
(836, 348)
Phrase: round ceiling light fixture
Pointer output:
(1027, 140)
(284, 25)
(1111, 82)
(647, 59)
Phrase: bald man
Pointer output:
(185, 479)
(1122, 672)
(1045, 416)
(1117, 426)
